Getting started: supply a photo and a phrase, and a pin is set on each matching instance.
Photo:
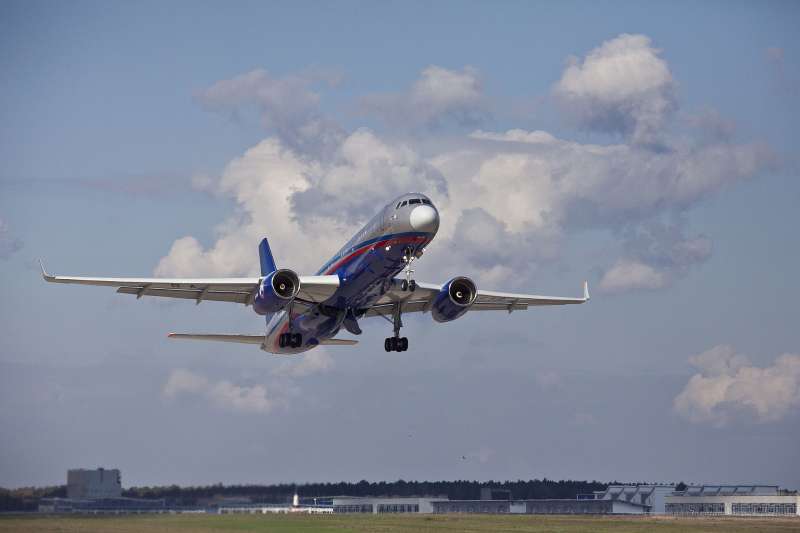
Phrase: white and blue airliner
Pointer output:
(360, 281)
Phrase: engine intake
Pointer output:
(454, 299)
(276, 291)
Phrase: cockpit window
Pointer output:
(398, 205)
(404, 203)
(415, 201)
(426, 202)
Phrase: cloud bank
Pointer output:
(727, 388)
(508, 200)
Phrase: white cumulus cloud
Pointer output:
(622, 86)
(314, 361)
(226, 396)
(655, 258)
(727, 386)
(508, 200)
(438, 93)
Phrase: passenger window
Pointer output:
(415, 201)
(404, 203)
(426, 202)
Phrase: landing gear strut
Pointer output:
(396, 343)
(290, 339)
(408, 284)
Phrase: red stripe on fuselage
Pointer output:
(379, 244)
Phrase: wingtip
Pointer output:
(586, 290)
(170, 335)
(44, 274)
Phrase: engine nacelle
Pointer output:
(276, 291)
(454, 299)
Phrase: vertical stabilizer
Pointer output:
(267, 262)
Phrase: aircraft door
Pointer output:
(384, 218)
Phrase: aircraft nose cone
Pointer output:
(425, 218)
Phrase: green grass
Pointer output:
(390, 523)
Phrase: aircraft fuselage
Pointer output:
(366, 267)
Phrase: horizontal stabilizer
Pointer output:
(339, 342)
(241, 339)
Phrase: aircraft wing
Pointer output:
(421, 300)
(247, 339)
(313, 289)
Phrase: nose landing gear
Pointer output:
(408, 284)
(396, 343)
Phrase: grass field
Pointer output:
(390, 523)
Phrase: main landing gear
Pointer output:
(408, 284)
(290, 339)
(396, 343)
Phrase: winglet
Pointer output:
(170, 335)
(44, 274)
(585, 290)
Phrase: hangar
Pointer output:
(742, 500)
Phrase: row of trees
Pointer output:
(27, 499)
(455, 490)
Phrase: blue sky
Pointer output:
(649, 149)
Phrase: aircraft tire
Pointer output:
(412, 285)
(394, 341)
(404, 285)
(282, 340)
(403, 344)
(296, 340)
(387, 344)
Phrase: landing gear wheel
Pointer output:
(412, 285)
(282, 340)
(297, 340)
(403, 344)
(395, 342)
(404, 285)
(387, 344)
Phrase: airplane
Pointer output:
(360, 281)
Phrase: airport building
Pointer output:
(385, 505)
(743, 500)
(650, 497)
(93, 484)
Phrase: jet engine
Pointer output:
(454, 299)
(276, 291)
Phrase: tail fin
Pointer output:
(267, 262)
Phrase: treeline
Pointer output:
(455, 490)
(27, 499)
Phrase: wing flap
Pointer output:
(339, 342)
(241, 339)
(217, 296)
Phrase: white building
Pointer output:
(93, 484)
(652, 497)
(266, 508)
(342, 505)
(733, 500)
